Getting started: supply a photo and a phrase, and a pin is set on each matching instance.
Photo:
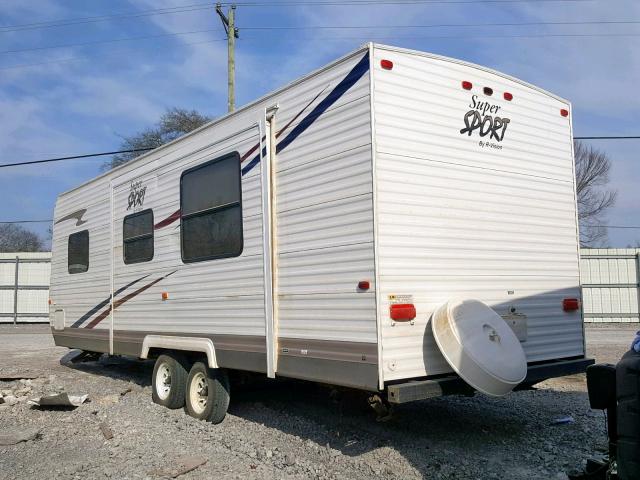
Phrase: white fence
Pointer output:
(610, 280)
(24, 287)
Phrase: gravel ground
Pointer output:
(287, 430)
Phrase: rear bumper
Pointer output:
(453, 385)
(561, 368)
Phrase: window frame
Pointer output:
(139, 237)
(237, 253)
(81, 232)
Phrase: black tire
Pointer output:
(207, 393)
(170, 391)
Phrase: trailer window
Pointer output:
(137, 237)
(211, 210)
(78, 252)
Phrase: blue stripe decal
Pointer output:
(103, 304)
(347, 82)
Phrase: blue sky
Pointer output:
(79, 99)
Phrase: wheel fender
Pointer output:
(187, 344)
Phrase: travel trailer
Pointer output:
(396, 222)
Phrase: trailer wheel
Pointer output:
(207, 396)
(169, 380)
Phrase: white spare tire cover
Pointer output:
(479, 346)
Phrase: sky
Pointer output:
(76, 99)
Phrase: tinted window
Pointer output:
(78, 252)
(137, 237)
(210, 205)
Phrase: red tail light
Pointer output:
(402, 312)
(507, 96)
(364, 285)
(488, 91)
(467, 85)
(570, 304)
(564, 112)
(386, 64)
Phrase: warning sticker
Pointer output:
(394, 299)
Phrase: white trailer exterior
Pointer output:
(368, 183)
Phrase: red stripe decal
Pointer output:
(167, 221)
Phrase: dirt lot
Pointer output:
(290, 430)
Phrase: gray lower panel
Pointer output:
(249, 361)
(363, 376)
(90, 340)
(352, 364)
(236, 352)
(358, 352)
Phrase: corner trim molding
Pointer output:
(192, 344)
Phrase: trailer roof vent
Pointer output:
(467, 85)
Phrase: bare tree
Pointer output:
(594, 196)
(174, 123)
(14, 238)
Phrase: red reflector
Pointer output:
(402, 312)
(363, 285)
(386, 64)
(508, 96)
(564, 112)
(488, 91)
(570, 304)
(467, 85)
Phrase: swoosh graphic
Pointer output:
(286, 127)
(125, 299)
(77, 215)
(340, 89)
(103, 304)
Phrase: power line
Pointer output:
(101, 154)
(618, 226)
(4, 222)
(77, 59)
(629, 137)
(127, 39)
(206, 6)
(467, 37)
(289, 3)
(103, 18)
(75, 157)
(458, 37)
(447, 25)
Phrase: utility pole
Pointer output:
(229, 24)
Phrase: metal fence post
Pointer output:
(15, 293)
(638, 283)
